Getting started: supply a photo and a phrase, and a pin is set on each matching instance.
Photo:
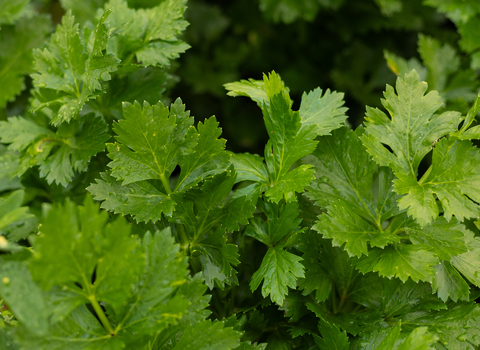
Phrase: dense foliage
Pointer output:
(126, 223)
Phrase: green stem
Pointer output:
(166, 184)
(182, 237)
(101, 315)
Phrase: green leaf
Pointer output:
(249, 346)
(453, 178)
(98, 65)
(9, 161)
(14, 217)
(11, 11)
(21, 133)
(140, 199)
(389, 7)
(152, 308)
(206, 215)
(456, 10)
(345, 187)
(456, 328)
(194, 292)
(469, 42)
(81, 330)
(291, 136)
(316, 277)
(23, 296)
(82, 11)
(68, 73)
(394, 298)
(346, 173)
(278, 221)
(255, 89)
(441, 61)
(418, 339)
(351, 231)
(331, 338)
(325, 112)
(468, 263)
(352, 323)
(472, 133)
(211, 206)
(401, 261)
(152, 142)
(6, 339)
(400, 66)
(208, 159)
(449, 284)
(465, 16)
(151, 35)
(217, 258)
(75, 243)
(410, 134)
(139, 286)
(250, 167)
(294, 306)
(201, 335)
(289, 141)
(16, 44)
(279, 270)
(61, 154)
(445, 239)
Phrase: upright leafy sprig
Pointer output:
(291, 136)
(69, 70)
(152, 142)
(411, 133)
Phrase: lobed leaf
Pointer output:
(201, 335)
(325, 111)
(16, 44)
(15, 220)
(401, 261)
(68, 74)
(410, 134)
(332, 337)
(151, 34)
(456, 327)
(291, 136)
(59, 154)
(279, 271)
(151, 142)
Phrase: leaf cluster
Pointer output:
(334, 237)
